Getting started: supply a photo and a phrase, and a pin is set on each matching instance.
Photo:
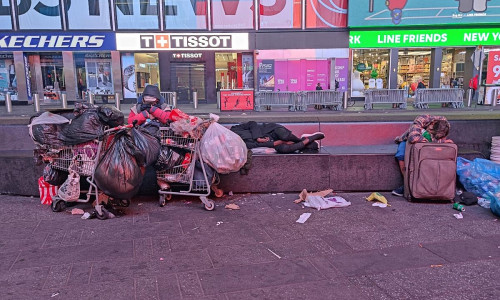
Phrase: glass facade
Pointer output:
(8, 80)
(372, 64)
(280, 14)
(39, 15)
(88, 15)
(46, 74)
(93, 73)
(326, 14)
(232, 14)
(181, 14)
(139, 70)
(5, 19)
(137, 14)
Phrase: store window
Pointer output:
(414, 65)
(302, 69)
(232, 14)
(452, 68)
(326, 14)
(372, 64)
(234, 70)
(46, 74)
(8, 80)
(139, 70)
(88, 15)
(280, 14)
(5, 11)
(181, 14)
(93, 73)
(137, 14)
(39, 15)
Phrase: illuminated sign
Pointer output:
(425, 38)
(57, 41)
(182, 41)
(186, 55)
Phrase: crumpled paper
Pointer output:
(232, 206)
(303, 195)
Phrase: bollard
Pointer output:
(195, 100)
(494, 97)
(344, 100)
(174, 100)
(36, 102)
(218, 99)
(8, 102)
(117, 101)
(64, 101)
(469, 97)
(91, 98)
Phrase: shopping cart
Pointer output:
(180, 178)
(83, 159)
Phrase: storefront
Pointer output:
(437, 57)
(185, 63)
(55, 63)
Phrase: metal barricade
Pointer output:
(423, 97)
(330, 99)
(385, 96)
(170, 98)
(269, 99)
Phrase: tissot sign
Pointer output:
(57, 41)
(181, 41)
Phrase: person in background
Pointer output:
(474, 84)
(420, 84)
(425, 128)
(454, 83)
(275, 136)
(319, 87)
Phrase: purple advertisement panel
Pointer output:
(266, 75)
(342, 72)
(294, 75)
(280, 75)
(322, 73)
(302, 75)
(311, 75)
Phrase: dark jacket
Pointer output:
(250, 131)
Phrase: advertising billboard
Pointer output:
(422, 12)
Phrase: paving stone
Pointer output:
(143, 248)
(146, 288)
(25, 279)
(480, 293)
(379, 261)
(123, 289)
(13, 243)
(466, 250)
(337, 244)
(7, 260)
(320, 290)
(223, 256)
(189, 284)
(18, 229)
(369, 289)
(57, 277)
(168, 287)
(238, 278)
(80, 274)
(62, 238)
(82, 253)
(324, 265)
(294, 248)
(160, 246)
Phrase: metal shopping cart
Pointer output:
(83, 159)
(180, 177)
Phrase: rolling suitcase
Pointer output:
(430, 171)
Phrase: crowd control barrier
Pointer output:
(269, 99)
(455, 97)
(331, 99)
(393, 96)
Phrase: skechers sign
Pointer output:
(180, 41)
(57, 41)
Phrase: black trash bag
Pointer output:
(119, 174)
(169, 157)
(49, 134)
(147, 143)
(466, 198)
(111, 116)
(82, 107)
(85, 127)
(54, 176)
(152, 127)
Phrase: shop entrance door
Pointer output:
(187, 78)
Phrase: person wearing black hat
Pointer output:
(150, 106)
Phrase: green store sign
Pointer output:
(425, 38)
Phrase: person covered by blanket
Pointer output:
(276, 136)
(425, 128)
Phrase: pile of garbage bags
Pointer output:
(481, 177)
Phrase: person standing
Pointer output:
(474, 84)
(319, 87)
(12, 74)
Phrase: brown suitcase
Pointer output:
(430, 171)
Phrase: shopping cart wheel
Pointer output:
(210, 205)
(162, 200)
(58, 205)
(124, 202)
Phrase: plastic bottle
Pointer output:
(483, 202)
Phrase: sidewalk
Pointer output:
(381, 113)
(180, 251)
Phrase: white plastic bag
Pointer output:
(319, 202)
(70, 189)
(223, 149)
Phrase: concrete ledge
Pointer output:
(19, 174)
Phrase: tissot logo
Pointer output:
(174, 41)
(186, 55)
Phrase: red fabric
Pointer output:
(473, 82)
(177, 114)
(47, 191)
(161, 115)
(132, 116)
